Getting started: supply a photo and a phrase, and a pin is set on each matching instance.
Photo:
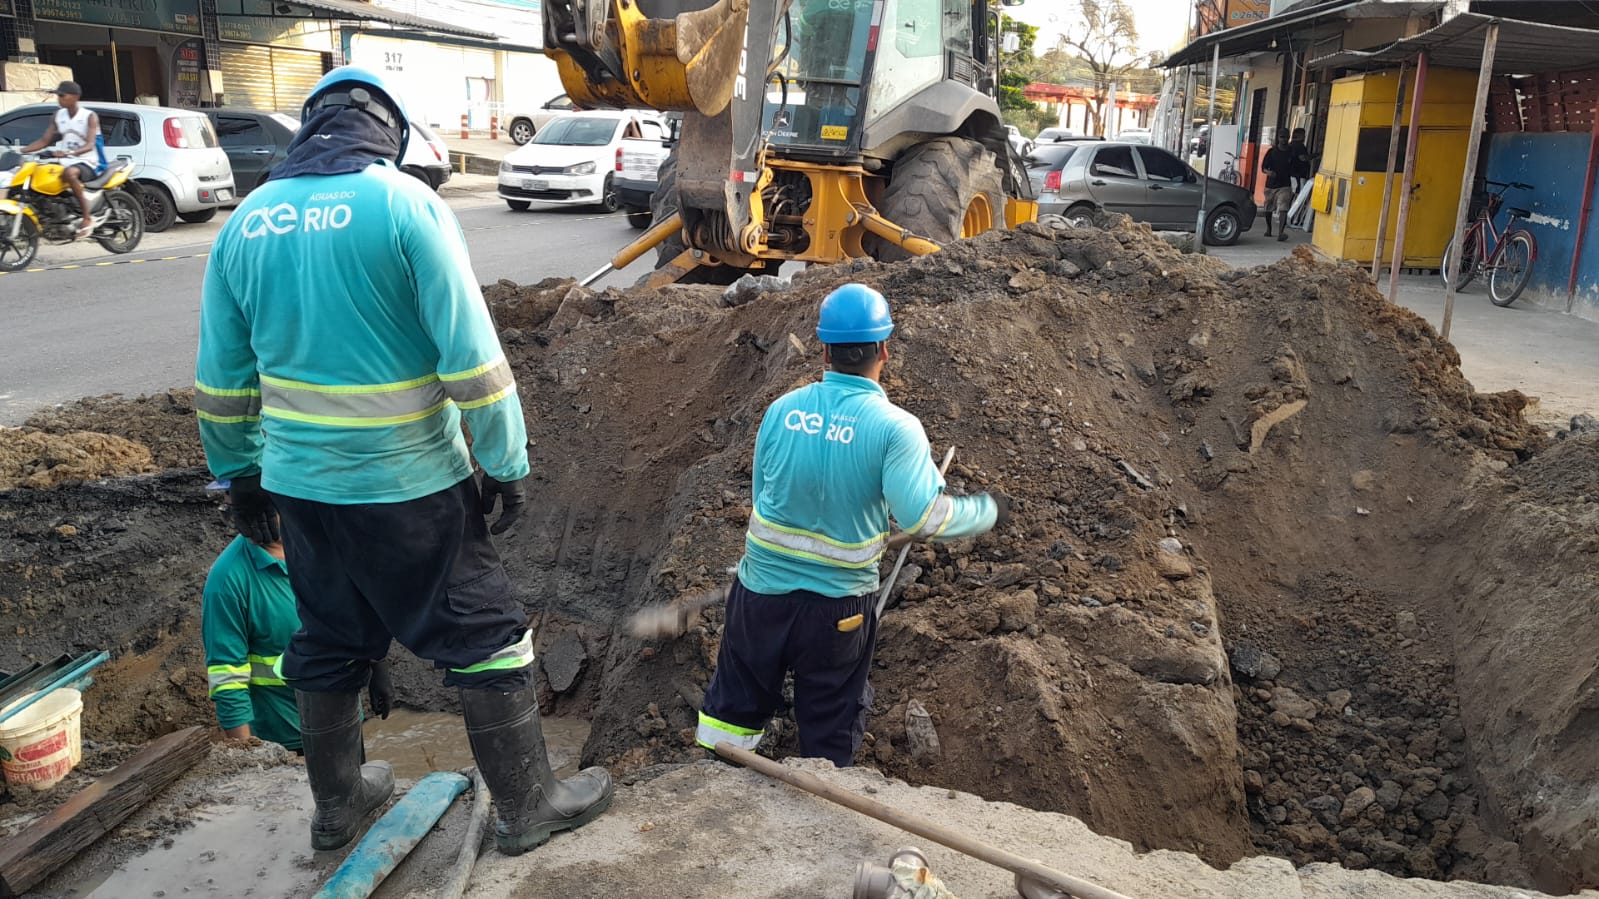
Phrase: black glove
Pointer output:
(1001, 508)
(513, 495)
(380, 690)
(252, 510)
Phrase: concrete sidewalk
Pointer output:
(1541, 352)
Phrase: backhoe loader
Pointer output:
(813, 130)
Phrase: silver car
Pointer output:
(179, 169)
(1147, 183)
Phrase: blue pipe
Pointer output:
(393, 837)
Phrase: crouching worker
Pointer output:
(342, 339)
(833, 460)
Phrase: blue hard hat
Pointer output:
(854, 313)
(354, 86)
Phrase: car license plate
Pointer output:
(536, 184)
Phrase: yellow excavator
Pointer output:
(813, 130)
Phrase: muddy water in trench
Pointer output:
(257, 847)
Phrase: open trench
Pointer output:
(1254, 514)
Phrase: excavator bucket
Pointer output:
(612, 53)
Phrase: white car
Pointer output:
(1136, 136)
(426, 156)
(523, 125)
(574, 159)
(179, 168)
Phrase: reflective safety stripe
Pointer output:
(353, 405)
(712, 731)
(517, 655)
(227, 677)
(936, 518)
(226, 405)
(816, 547)
(482, 386)
(264, 671)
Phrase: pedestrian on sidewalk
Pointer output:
(340, 311)
(833, 460)
(1279, 168)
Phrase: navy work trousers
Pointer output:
(767, 636)
(422, 572)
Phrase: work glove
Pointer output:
(252, 509)
(512, 496)
(380, 690)
(1001, 508)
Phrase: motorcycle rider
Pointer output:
(74, 131)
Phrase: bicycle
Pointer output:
(1509, 263)
(1229, 172)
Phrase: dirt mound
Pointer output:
(162, 422)
(37, 460)
(1220, 619)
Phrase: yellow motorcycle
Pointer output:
(37, 204)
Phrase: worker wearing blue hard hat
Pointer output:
(343, 338)
(834, 460)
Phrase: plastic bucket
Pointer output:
(41, 744)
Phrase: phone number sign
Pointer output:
(175, 16)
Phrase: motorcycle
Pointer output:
(36, 204)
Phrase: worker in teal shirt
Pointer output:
(246, 619)
(833, 461)
(343, 340)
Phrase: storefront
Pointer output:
(272, 54)
(440, 80)
(148, 51)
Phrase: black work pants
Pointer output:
(422, 572)
(768, 636)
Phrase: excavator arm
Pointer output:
(613, 53)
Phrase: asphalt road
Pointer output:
(91, 323)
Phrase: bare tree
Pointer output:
(1107, 40)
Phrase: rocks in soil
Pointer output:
(564, 661)
(920, 735)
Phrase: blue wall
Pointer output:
(1555, 165)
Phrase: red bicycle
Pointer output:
(1508, 262)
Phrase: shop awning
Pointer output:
(1294, 23)
(1524, 47)
(366, 12)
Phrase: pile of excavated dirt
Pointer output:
(38, 460)
(163, 423)
(1227, 615)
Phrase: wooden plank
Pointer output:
(72, 827)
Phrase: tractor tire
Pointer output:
(943, 190)
(663, 204)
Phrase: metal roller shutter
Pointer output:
(269, 78)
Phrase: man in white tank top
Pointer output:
(73, 131)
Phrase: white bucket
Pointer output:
(39, 745)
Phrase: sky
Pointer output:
(1161, 23)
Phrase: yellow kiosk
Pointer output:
(1347, 195)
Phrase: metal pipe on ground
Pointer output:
(944, 836)
(1468, 177)
(1388, 174)
(1410, 178)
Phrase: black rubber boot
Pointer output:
(531, 803)
(346, 790)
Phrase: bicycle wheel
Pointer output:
(1229, 175)
(1512, 268)
(1470, 264)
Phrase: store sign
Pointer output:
(186, 64)
(173, 16)
(1245, 12)
(252, 29)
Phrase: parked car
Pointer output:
(255, 142)
(1147, 183)
(426, 156)
(1049, 135)
(639, 175)
(1199, 144)
(179, 169)
(1136, 136)
(523, 125)
(1043, 170)
(574, 159)
(1018, 141)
